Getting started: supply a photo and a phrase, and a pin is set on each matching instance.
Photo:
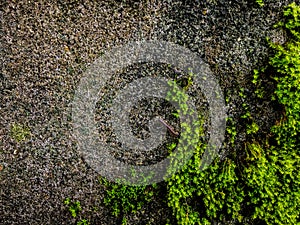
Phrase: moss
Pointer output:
(273, 174)
(268, 182)
(19, 132)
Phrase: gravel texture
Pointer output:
(45, 48)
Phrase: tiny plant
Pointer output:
(244, 104)
(260, 2)
(255, 77)
(231, 130)
(125, 199)
(19, 132)
(83, 222)
(260, 91)
(124, 221)
(74, 207)
(252, 128)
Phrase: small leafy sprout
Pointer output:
(231, 130)
(171, 147)
(253, 152)
(123, 199)
(260, 93)
(260, 3)
(241, 93)
(124, 221)
(74, 207)
(246, 115)
(83, 222)
(176, 114)
(255, 76)
(19, 132)
(252, 128)
(67, 201)
(244, 105)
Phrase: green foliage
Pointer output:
(292, 23)
(260, 90)
(123, 199)
(190, 131)
(74, 207)
(217, 186)
(178, 96)
(246, 115)
(244, 104)
(242, 93)
(252, 128)
(269, 181)
(19, 132)
(255, 77)
(272, 174)
(171, 147)
(83, 222)
(231, 130)
(287, 62)
(124, 221)
(260, 3)
(273, 181)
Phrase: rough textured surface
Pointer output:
(45, 47)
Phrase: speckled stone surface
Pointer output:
(45, 47)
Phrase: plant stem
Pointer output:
(169, 127)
